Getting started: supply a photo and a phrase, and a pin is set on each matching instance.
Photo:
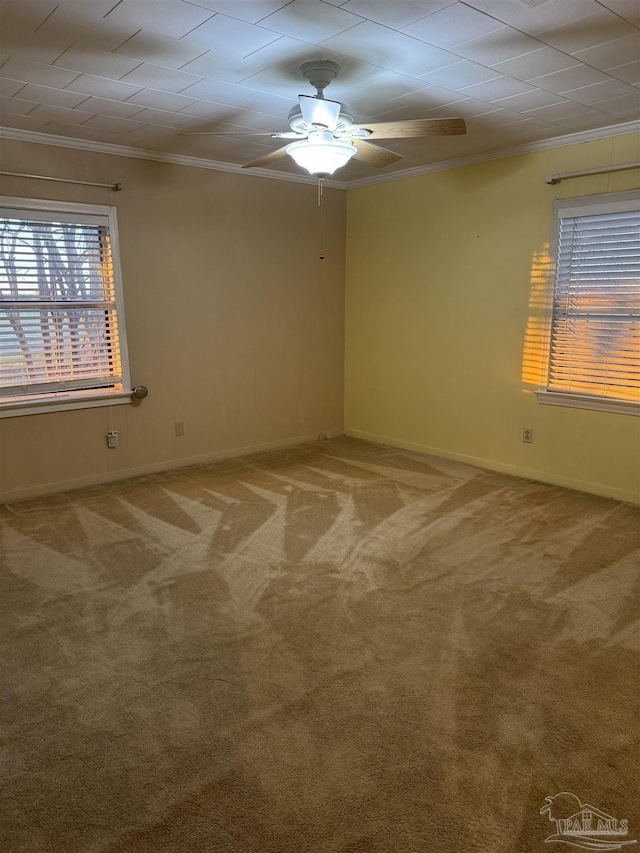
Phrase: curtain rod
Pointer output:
(555, 179)
(115, 187)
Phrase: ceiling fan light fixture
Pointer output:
(321, 154)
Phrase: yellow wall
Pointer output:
(445, 274)
(237, 327)
(233, 322)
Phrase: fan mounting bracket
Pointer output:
(320, 72)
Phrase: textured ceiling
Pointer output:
(144, 73)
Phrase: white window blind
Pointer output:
(60, 329)
(594, 347)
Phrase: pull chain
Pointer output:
(321, 218)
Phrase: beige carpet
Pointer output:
(338, 648)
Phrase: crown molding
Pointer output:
(159, 156)
(215, 165)
(500, 153)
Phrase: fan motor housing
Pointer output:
(299, 125)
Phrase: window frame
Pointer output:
(617, 201)
(58, 401)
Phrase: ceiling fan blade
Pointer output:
(418, 127)
(374, 155)
(227, 133)
(289, 134)
(319, 111)
(267, 158)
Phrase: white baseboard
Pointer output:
(503, 468)
(154, 467)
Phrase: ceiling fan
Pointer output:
(324, 137)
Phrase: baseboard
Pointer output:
(502, 467)
(155, 467)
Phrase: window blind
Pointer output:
(58, 314)
(595, 328)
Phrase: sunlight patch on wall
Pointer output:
(535, 349)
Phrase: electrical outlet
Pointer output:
(179, 426)
(527, 435)
(112, 438)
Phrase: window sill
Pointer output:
(580, 401)
(16, 407)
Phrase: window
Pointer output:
(594, 320)
(62, 342)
